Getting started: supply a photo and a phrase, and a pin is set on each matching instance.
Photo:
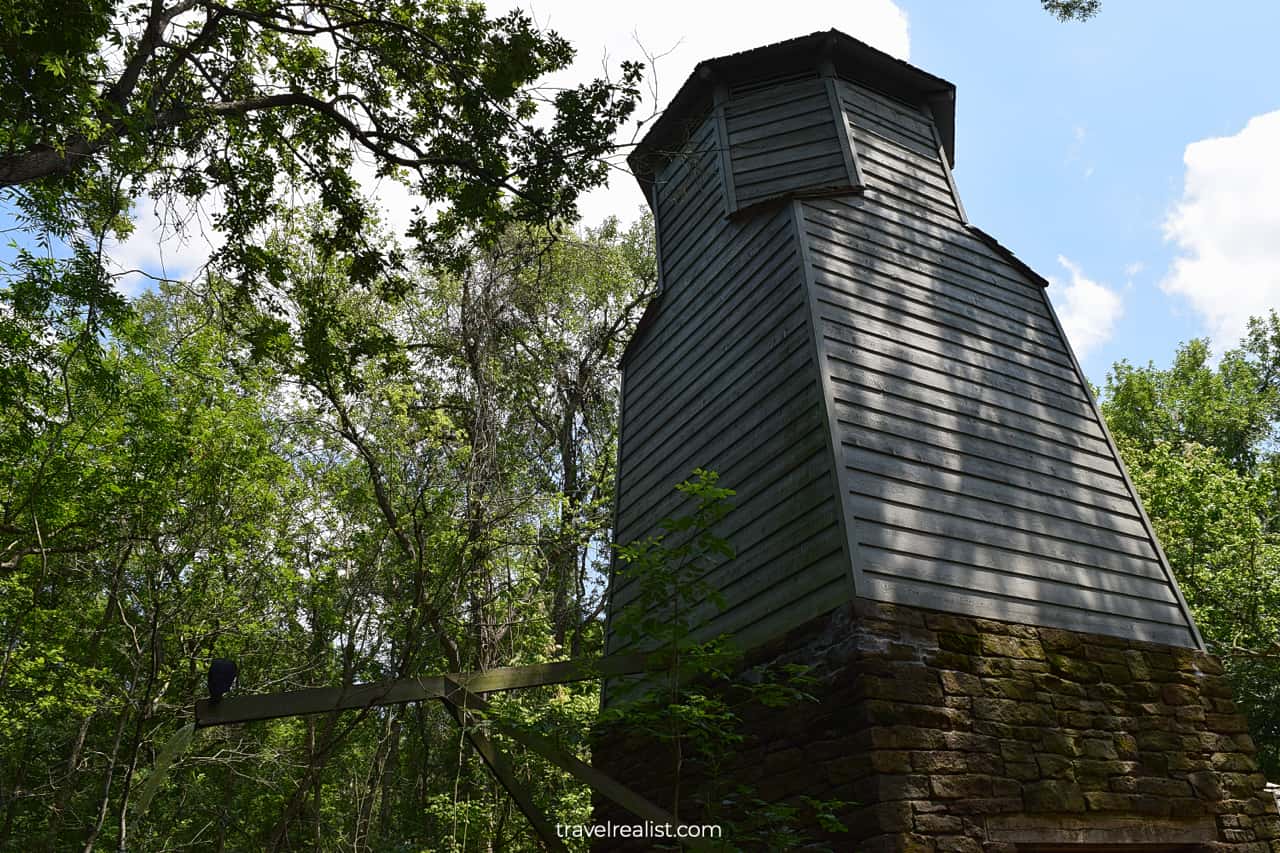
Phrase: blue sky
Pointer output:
(1070, 141)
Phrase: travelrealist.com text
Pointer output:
(648, 829)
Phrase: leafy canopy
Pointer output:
(245, 108)
(1199, 440)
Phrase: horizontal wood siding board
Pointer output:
(887, 158)
(901, 377)
(801, 533)
(1142, 578)
(779, 150)
(913, 282)
(881, 509)
(867, 291)
(906, 118)
(869, 279)
(769, 554)
(721, 338)
(1024, 585)
(1196, 640)
(779, 404)
(925, 206)
(724, 366)
(823, 575)
(997, 489)
(1016, 285)
(819, 117)
(733, 251)
(764, 618)
(744, 115)
(655, 496)
(962, 235)
(777, 510)
(931, 284)
(966, 342)
(686, 235)
(688, 206)
(987, 277)
(868, 131)
(796, 613)
(926, 353)
(743, 104)
(785, 419)
(982, 388)
(720, 241)
(883, 182)
(857, 317)
(700, 141)
(885, 173)
(1000, 515)
(791, 162)
(820, 575)
(948, 428)
(679, 201)
(891, 216)
(689, 167)
(824, 176)
(988, 606)
(1066, 482)
(895, 125)
(775, 319)
(692, 175)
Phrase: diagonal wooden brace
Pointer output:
(503, 769)
(457, 695)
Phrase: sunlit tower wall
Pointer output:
(929, 510)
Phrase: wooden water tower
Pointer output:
(929, 507)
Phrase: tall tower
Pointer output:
(929, 507)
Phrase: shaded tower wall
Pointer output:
(930, 513)
(885, 386)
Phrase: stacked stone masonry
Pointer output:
(961, 735)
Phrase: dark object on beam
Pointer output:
(222, 675)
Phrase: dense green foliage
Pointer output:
(1199, 441)
(385, 486)
(331, 455)
(235, 112)
(690, 715)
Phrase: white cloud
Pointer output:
(167, 242)
(682, 34)
(1227, 229)
(1088, 310)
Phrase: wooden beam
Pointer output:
(456, 694)
(321, 700)
(503, 769)
(315, 700)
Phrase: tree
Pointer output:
(1199, 441)
(1072, 10)
(247, 106)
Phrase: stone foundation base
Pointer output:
(960, 735)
